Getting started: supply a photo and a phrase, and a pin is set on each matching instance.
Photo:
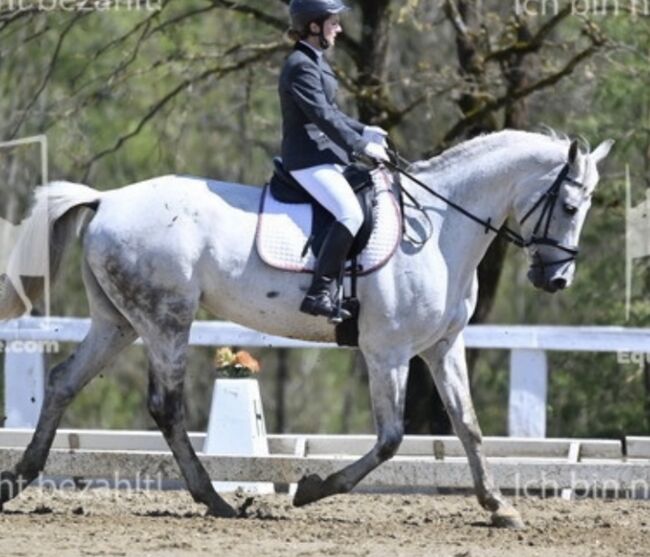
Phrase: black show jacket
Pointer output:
(314, 130)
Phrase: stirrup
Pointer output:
(339, 314)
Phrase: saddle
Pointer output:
(292, 227)
(286, 189)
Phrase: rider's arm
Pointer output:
(306, 89)
(354, 124)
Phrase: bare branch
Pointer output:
(453, 14)
(7, 17)
(161, 103)
(496, 104)
(535, 43)
(118, 41)
(236, 6)
(181, 17)
(48, 74)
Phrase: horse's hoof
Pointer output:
(309, 490)
(508, 518)
(8, 487)
(222, 510)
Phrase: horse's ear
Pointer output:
(602, 150)
(573, 151)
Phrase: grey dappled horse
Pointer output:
(154, 252)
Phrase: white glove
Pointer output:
(376, 152)
(375, 134)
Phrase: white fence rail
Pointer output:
(527, 344)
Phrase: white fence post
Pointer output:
(236, 427)
(528, 385)
(24, 385)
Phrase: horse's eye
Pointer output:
(570, 209)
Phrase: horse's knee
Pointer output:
(389, 442)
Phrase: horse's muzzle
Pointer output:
(550, 278)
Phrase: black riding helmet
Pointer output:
(304, 12)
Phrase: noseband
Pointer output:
(547, 202)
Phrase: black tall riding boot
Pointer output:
(331, 260)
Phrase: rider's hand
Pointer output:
(375, 129)
(376, 152)
(375, 134)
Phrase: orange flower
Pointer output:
(244, 359)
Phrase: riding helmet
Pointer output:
(303, 12)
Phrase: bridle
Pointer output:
(547, 203)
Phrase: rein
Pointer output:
(547, 202)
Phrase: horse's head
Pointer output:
(551, 220)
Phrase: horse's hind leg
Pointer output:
(449, 368)
(109, 334)
(167, 348)
(388, 374)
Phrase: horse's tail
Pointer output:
(58, 214)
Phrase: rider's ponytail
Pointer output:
(294, 35)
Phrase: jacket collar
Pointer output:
(309, 51)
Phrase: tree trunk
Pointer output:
(373, 59)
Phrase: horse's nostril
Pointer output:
(559, 283)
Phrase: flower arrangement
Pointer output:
(234, 365)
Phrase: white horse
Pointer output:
(157, 250)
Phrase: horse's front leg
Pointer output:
(449, 368)
(388, 376)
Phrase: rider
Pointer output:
(319, 140)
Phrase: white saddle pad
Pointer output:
(284, 228)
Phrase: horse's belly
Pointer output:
(266, 300)
(276, 319)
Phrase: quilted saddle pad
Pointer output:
(283, 230)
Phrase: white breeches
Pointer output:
(328, 186)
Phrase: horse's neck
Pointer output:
(483, 185)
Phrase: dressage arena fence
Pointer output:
(554, 467)
(528, 346)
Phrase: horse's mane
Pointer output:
(491, 141)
